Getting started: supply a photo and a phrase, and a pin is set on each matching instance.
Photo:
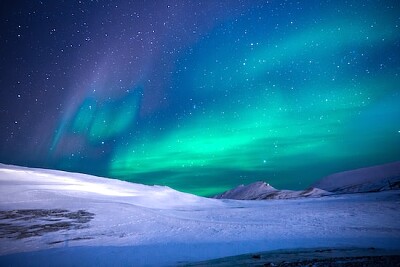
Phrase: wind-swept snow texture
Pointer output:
(371, 179)
(53, 218)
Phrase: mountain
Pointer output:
(251, 191)
(261, 190)
(370, 179)
(54, 218)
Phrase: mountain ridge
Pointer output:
(370, 179)
(262, 190)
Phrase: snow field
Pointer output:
(153, 225)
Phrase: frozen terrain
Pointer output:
(370, 179)
(52, 218)
(261, 190)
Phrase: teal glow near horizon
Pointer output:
(278, 105)
(267, 138)
(205, 96)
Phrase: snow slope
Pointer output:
(262, 190)
(53, 218)
(371, 179)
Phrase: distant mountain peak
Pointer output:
(262, 190)
(370, 179)
(250, 191)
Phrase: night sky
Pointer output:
(200, 95)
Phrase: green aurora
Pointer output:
(326, 110)
(205, 96)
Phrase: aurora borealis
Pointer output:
(201, 95)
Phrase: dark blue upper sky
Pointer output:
(200, 95)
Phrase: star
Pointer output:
(200, 90)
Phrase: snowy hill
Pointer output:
(24, 183)
(262, 190)
(53, 218)
(371, 179)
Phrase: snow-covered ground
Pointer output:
(58, 218)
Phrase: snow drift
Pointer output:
(57, 218)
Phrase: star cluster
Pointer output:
(200, 95)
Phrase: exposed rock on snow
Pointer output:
(371, 179)
(58, 218)
(26, 223)
(262, 190)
